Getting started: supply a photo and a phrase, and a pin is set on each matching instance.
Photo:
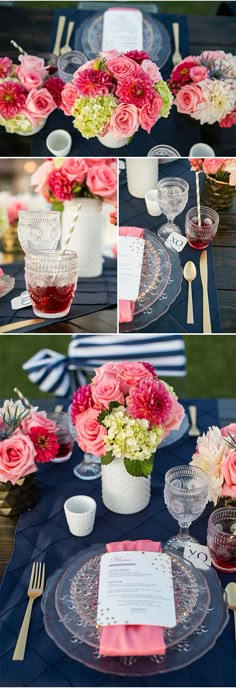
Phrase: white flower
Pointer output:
(211, 452)
(231, 62)
(220, 98)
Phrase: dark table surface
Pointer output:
(32, 28)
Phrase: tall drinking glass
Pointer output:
(173, 197)
(51, 279)
(186, 495)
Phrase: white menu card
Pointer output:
(130, 266)
(122, 30)
(136, 588)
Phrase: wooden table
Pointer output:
(227, 413)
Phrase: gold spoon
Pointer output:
(190, 273)
(231, 598)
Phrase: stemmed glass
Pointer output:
(185, 495)
(89, 468)
(172, 197)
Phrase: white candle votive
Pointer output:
(59, 143)
(80, 514)
(151, 200)
(201, 150)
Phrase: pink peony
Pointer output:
(30, 79)
(5, 67)
(212, 165)
(75, 169)
(55, 85)
(176, 416)
(40, 178)
(82, 400)
(68, 97)
(39, 104)
(137, 55)
(137, 90)
(150, 400)
(102, 181)
(32, 63)
(151, 69)
(60, 186)
(198, 73)
(38, 418)
(130, 374)
(122, 67)
(90, 433)
(188, 99)
(17, 458)
(106, 390)
(93, 82)
(228, 467)
(149, 113)
(12, 99)
(13, 209)
(124, 121)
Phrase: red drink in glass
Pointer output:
(51, 299)
(200, 236)
(51, 278)
(221, 538)
(64, 436)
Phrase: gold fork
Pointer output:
(176, 57)
(35, 589)
(193, 430)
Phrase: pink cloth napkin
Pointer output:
(132, 640)
(126, 308)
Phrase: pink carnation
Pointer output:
(75, 169)
(93, 82)
(137, 90)
(5, 67)
(68, 98)
(55, 86)
(212, 165)
(82, 400)
(150, 400)
(90, 433)
(60, 186)
(12, 99)
(150, 112)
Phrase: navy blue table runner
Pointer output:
(43, 534)
(133, 213)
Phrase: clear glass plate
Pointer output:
(77, 594)
(7, 283)
(156, 40)
(181, 655)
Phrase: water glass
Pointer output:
(51, 279)
(221, 538)
(199, 236)
(173, 197)
(185, 495)
(39, 230)
(64, 436)
(164, 152)
(68, 64)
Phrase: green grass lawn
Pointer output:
(183, 7)
(210, 362)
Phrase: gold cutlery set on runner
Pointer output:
(190, 273)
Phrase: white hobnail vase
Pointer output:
(110, 141)
(34, 131)
(124, 493)
(86, 239)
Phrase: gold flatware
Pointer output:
(190, 274)
(67, 48)
(17, 326)
(176, 57)
(35, 589)
(58, 408)
(205, 299)
(193, 430)
(231, 599)
(59, 34)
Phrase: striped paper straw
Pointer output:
(22, 398)
(71, 229)
(198, 200)
(18, 47)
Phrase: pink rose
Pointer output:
(188, 98)
(198, 73)
(212, 165)
(95, 161)
(124, 121)
(13, 210)
(176, 416)
(39, 104)
(68, 98)
(90, 433)
(228, 467)
(17, 455)
(32, 63)
(131, 373)
(122, 67)
(229, 428)
(106, 390)
(109, 54)
(152, 70)
(102, 180)
(35, 419)
(40, 178)
(149, 113)
(75, 169)
(108, 369)
(29, 79)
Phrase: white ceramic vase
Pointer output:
(110, 141)
(35, 130)
(86, 239)
(122, 492)
(142, 175)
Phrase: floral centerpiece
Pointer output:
(28, 94)
(27, 437)
(122, 416)
(114, 95)
(216, 454)
(204, 87)
(220, 181)
(65, 179)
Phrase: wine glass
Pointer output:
(89, 468)
(172, 196)
(185, 495)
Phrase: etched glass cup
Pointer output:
(172, 196)
(64, 436)
(51, 279)
(185, 495)
(221, 538)
(68, 63)
(39, 230)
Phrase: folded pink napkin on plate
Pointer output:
(126, 308)
(140, 640)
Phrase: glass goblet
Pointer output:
(185, 495)
(89, 468)
(172, 196)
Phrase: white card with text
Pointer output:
(122, 30)
(176, 241)
(136, 588)
(130, 267)
(198, 555)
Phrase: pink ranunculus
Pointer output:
(38, 418)
(131, 373)
(124, 121)
(149, 113)
(68, 98)
(39, 104)
(32, 63)
(29, 79)
(90, 433)
(13, 210)
(228, 468)
(40, 178)
(212, 165)
(106, 390)
(198, 73)
(151, 69)
(122, 67)
(75, 169)
(176, 416)
(17, 454)
(102, 180)
(188, 98)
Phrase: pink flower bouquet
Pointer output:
(124, 414)
(221, 169)
(216, 454)
(67, 178)
(116, 93)
(204, 87)
(28, 94)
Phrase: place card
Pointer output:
(136, 588)
(122, 30)
(130, 265)
(21, 301)
(198, 555)
(176, 241)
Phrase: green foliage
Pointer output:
(139, 468)
(107, 458)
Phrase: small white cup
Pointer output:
(80, 514)
(151, 200)
(201, 150)
(59, 143)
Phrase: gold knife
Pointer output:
(59, 34)
(17, 326)
(205, 299)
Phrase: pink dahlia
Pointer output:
(12, 99)
(93, 82)
(5, 67)
(82, 400)
(137, 55)
(60, 186)
(137, 90)
(181, 73)
(150, 400)
(55, 85)
(150, 369)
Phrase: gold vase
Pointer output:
(10, 242)
(216, 194)
(15, 499)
